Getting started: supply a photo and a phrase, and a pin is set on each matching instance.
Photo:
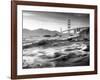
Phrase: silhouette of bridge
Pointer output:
(74, 30)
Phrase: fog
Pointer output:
(53, 20)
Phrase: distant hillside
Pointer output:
(39, 32)
(26, 31)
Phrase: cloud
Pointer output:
(53, 20)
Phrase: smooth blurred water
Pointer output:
(32, 56)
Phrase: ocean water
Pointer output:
(38, 56)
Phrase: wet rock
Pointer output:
(83, 61)
(87, 49)
(42, 42)
(72, 55)
(57, 54)
(63, 56)
(69, 49)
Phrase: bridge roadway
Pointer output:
(75, 30)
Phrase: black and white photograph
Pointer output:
(55, 39)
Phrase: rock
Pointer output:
(57, 54)
(42, 42)
(69, 49)
(87, 48)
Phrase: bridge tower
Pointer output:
(69, 25)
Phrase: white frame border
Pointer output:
(21, 71)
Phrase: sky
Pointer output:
(53, 20)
